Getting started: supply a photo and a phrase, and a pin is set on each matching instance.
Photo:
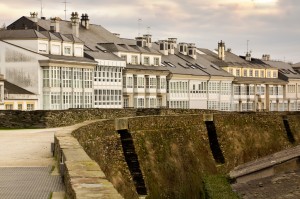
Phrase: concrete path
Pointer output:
(26, 164)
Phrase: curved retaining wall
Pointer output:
(82, 176)
(174, 151)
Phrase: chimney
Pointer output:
(183, 48)
(140, 41)
(171, 47)
(266, 57)
(248, 56)
(148, 40)
(163, 47)
(85, 22)
(174, 41)
(34, 16)
(75, 24)
(54, 26)
(221, 50)
(192, 50)
(117, 35)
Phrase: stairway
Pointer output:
(132, 162)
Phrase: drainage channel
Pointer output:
(133, 162)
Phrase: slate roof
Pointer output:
(184, 64)
(50, 36)
(14, 89)
(257, 80)
(69, 58)
(21, 34)
(285, 69)
(102, 55)
(297, 65)
(143, 67)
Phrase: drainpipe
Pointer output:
(207, 93)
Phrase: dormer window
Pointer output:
(43, 48)
(161, 46)
(67, 50)
(124, 57)
(156, 61)
(134, 59)
(146, 61)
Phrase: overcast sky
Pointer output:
(271, 26)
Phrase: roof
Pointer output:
(69, 58)
(21, 34)
(297, 65)
(232, 60)
(50, 35)
(257, 80)
(14, 89)
(143, 67)
(184, 64)
(285, 69)
(102, 55)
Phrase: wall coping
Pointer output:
(82, 176)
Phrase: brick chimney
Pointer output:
(163, 47)
(148, 38)
(221, 50)
(183, 48)
(54, 26)
(75, 23)
(140, 41)
(85, 22)
(266, 57)
(192, 50)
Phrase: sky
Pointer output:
(268, 26)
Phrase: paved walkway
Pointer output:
(26, 163)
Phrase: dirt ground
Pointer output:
(26, 148)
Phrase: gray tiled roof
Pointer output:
(14, 89)
(143, 67)
(254, 80)
(73, 38)
(183, 64)
(50, 35)
(102, 55)
(69, 58)
(284, 68)
(21, 34)
(297, 65)
(62, 37)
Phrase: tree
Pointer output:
(3, 27)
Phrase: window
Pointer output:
(55, 77)
(20, 107)
(213, 105)
(66, 77)
(237, 89)
(245, 73)
(46, 77)
(274, 74)
(134, 59)
(141, 82)
(231, 71)
(55, 49)
(250, 73)
(291, 88)
(262, 73)
(126, 102)
(30, 107)
(156, 61)
(78, 52)
(237, 72)
(9, 106)
(124, 57)
(67, 50)
(43, 48)
(152, 82)
(256, 73)
(146, 61)
(268, 74)
(213, 87)
(225, 88)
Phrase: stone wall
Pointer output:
(82, 176)
(58, 118)
(174, 150)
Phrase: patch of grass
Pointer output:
(218, 187)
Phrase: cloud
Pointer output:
(271, 27)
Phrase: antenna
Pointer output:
(65, 2)
(247, 46)
(148, 30)
(139, 25)
(41, 7)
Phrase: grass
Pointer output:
(50, 196)
(218, 187)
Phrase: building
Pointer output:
(291, 91)
(256, 86)
(50, 65)
(1, 92)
